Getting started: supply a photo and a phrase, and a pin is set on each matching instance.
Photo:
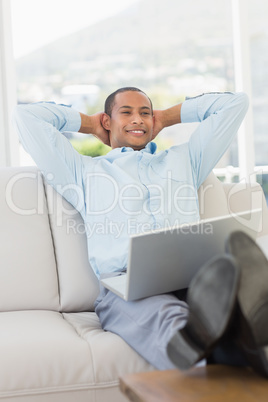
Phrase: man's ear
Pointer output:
(106, 120)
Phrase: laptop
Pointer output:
(165, 260)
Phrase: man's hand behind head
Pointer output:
(166, 118)
(93, 125)
(158, 122)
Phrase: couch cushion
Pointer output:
(78, 284)
(111, 356)
(28, 276)
(212, 198)
(244, 196)
(46, 355)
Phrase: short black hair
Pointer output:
(109, 103)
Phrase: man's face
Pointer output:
(131, 121)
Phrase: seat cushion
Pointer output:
(111, 356)
(49, 356)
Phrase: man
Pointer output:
(134, 189)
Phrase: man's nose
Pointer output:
(137, 119)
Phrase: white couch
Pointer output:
(52, 347)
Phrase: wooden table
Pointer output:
(211, 383)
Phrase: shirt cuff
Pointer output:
(189, 111)
(73, 119)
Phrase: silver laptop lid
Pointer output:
(166, 260)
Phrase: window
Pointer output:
(167, 49)
(258, 14)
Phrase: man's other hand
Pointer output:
(158, 122)
(166, 118)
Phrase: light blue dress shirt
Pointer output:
(127, 192)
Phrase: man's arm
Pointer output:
(40, 128)
(220, 116)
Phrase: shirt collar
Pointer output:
(150, 148)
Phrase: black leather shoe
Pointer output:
(252, 316)
(211, 299)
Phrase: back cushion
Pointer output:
(212, 198)
(247, 196)
(78, 285)
(28, 275)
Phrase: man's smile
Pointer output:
(137, 133)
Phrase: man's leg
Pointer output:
(149, 324)
(248, 332)
(251, 334)
(146, 325)
(212, 300)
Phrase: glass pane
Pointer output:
(167, 50)
(258, 18)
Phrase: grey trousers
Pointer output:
(146, 325)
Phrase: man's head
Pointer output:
(128, 118)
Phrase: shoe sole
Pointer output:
(252, 297)
(184, 349)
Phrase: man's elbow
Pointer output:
(19, 113)
(242, 101)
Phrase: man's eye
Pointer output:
(145, 113)
(125, 112)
